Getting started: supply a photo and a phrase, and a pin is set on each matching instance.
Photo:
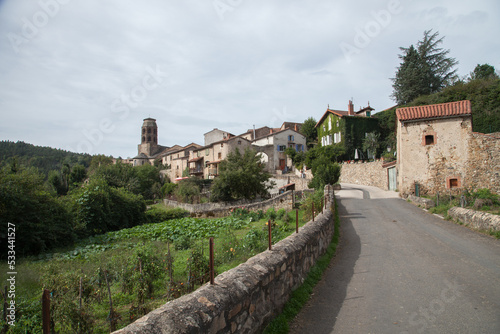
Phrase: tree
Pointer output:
(371, 143)
(425, 69)
(309, 130)
(325, 172)
(241, 176)
(484, 71)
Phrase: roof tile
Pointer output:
(434, 111)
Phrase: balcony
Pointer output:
(212, 171)
(196, 170)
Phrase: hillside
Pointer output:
(43, 158)
(484, 95)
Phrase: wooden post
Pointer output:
(297, 220)
(211, 260)
(112, 325)
(312, 209)
(270, 234)
(80, 295)
(46, 312)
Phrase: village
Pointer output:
(437, 150)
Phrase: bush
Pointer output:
(315, 198)
(158, 215)
(271, 214)
(281, 212)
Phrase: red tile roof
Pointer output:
(450, 109)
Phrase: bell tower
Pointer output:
(149, 137)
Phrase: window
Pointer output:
(453, 182)
(239, 142)
(143, 139)
(337, 137)
(329, 124)
(207, 151)
(281, 148)
(429, 140)
(291, 138)
(149, 138)
(219, 155)
(143, 131)
(149, 130)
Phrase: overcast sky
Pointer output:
(82, 75)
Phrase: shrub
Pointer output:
(281, 212)
(158, 215)
(271, 214)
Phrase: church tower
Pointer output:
(149, 137)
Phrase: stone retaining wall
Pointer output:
(476, 219)
(483, 168)
(365, 173)
(246, 298)
(284, 201)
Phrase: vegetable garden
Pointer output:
(110, 280)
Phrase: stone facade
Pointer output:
(433, 153)
(483, 169)
(365, 173)
(246, 298)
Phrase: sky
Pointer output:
(81, 75)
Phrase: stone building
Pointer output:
(347, 128)
(433, 147)
(204, 161)
(148, 149)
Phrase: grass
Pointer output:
(299, 297)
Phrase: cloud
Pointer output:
(260, 62)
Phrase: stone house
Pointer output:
(204, 161)
(273, 145)
(347, 128)
(176, 158)
(433, 147)
(216, 135)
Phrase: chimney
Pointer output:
(350, 109)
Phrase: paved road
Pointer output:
(400, 269)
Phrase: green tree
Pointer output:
(77, 174)
(241, 176)
(425, 69)
(187, 190)
(324, 172)
(484, 71)
(40, 220)
(371, 143)
(309, 130)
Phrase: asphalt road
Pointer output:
(399, 269)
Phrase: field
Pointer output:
(138, 269)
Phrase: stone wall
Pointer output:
(483, 170)
(365, 173)
(300, 183)
(477, 220)
(284, 201)
(246, 298)
(432, 164)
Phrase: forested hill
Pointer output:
(484, 95)
(44, 158)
